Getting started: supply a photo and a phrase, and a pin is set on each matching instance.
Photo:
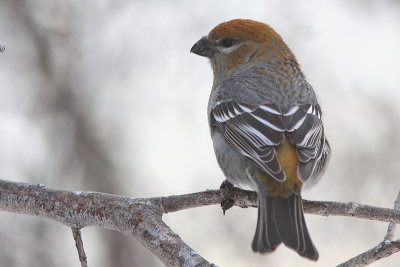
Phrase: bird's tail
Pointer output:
(281, 219)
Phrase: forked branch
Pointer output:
(142, 217)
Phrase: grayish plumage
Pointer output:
(254, 116)
(260, 101)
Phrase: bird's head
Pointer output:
(239, 43)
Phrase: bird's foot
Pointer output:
(226, 189)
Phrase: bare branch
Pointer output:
(76, 232)
(142, 217)
(382, 250)
(139, 218)
(246, 199)
(392, 226)
(352, 209)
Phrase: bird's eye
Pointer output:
(227, 42)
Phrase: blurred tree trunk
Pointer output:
(78, 155)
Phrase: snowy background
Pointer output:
(105, 96)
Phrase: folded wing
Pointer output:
(255, 131)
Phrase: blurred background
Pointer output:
(105, 96)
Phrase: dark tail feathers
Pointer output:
(282, 220)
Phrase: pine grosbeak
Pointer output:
(266, 127)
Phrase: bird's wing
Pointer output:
(255, 131)
(305, 130)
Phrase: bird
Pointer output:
(266, 128)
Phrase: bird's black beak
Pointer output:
(202, 48)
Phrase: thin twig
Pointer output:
(384, 249)
(392, 226)
(76, 232)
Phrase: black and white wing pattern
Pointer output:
(255, 131)
(305, 130)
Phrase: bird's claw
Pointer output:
(226, 202)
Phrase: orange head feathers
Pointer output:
(239, 43)
(244, 29)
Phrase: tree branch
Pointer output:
(142, 217)
(392, 226)
(139, 218)
(76, 232)
(246, 199)
(384, 249)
